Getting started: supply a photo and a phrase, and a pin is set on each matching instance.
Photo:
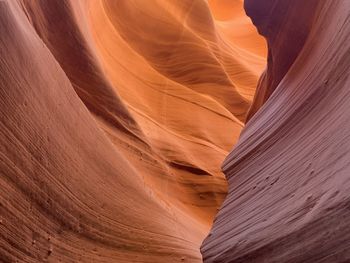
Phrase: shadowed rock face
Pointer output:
(286, 29)
(288, 174)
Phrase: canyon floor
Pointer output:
(174, 131)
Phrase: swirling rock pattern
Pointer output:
(114, 119)
(288, 174)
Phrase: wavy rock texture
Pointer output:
(115, 118)
(288, 174)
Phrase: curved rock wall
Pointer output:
(288, 174)
(111, 126)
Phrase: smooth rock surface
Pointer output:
(115, 117)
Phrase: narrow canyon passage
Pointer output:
(117, 118)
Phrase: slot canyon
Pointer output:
(147, 131)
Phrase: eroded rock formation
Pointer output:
(115, 118)
(288, 174)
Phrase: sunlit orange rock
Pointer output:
(115, 119)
